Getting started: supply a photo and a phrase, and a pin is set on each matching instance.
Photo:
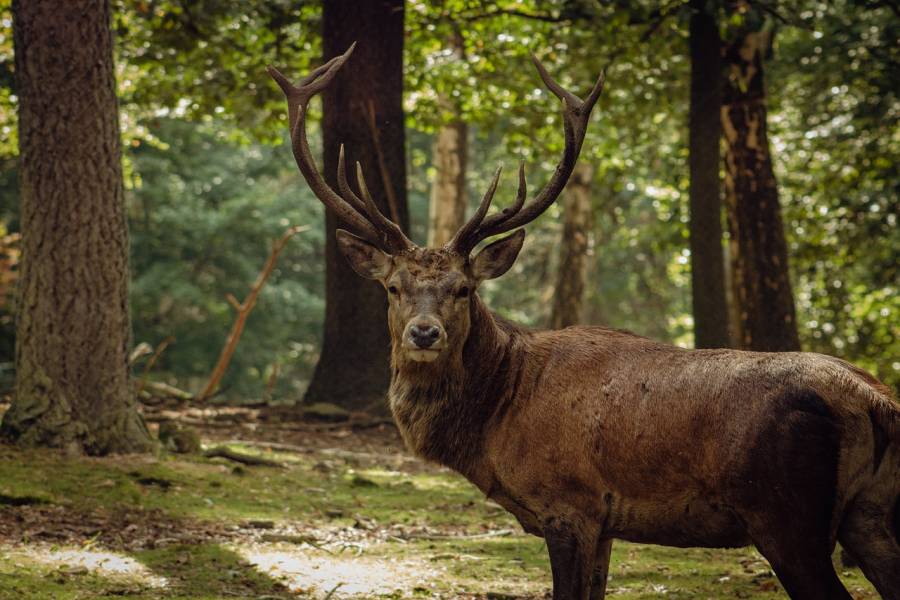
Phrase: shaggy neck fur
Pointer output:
(444, 407)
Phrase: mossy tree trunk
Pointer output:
(762, 286)
(574, 249)
(363, 110)
(708, 299)
(73, 328)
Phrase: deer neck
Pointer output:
(444, 408)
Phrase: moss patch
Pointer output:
(323, 524)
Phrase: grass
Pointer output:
(209, 489)
(326, 524)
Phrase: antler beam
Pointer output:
(361, 215)
(576, 113)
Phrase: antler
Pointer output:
(576, 113)
(363, 216)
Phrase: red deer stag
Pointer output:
(590, 434)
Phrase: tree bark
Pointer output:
(353, 368)
(447, 210)
(762, 286)
(574, 247)
(707, 269)
(73, 329)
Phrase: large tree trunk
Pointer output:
(707, 270)
(447, 210)
(363, 110)
(73, 329)
(762, 285)
(573, 259)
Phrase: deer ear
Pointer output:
(496, 258)
(364, 258)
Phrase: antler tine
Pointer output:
(460, 241)
(344, 187)
(393, 236)
(576, 114)
(521, 193)
(558, 90)
(298, 98)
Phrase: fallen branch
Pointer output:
(244, 459)
(295, 539)
(243, 311)
(270, 446)
(363, 424)
(336, 452)
(200, 423)
(164, 390)
(476, 536)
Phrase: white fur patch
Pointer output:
(423, 355)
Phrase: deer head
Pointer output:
(430, 290)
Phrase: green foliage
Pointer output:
(205, 59)
(8, 131)
(836, 139)
(203, 212)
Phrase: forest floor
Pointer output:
(347, 514)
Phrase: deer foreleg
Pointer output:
(601, 569)
(572, 559)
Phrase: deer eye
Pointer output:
(393, 290)
(463, 292)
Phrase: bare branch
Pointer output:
(243, 311)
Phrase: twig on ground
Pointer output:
(200, 423)
(165, 390)
(362, 424)
(336, 452)
(476, 536)
(333, 590)
(270, 446)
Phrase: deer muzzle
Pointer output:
(424, 338)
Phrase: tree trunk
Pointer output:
(353, 369)
(73, 329)
(577, 227)
(448, 192)
(447, 209)
(762, 284)
(707, 268)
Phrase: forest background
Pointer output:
(210, 181)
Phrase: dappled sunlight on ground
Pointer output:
(110, 565)
(340, 575)
(345, 515)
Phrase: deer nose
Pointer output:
(424, 334)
